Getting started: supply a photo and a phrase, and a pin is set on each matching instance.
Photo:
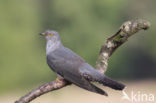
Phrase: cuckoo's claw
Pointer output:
(58, 79)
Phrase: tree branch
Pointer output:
(45, 88)
(126, 30)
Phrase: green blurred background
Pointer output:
(83, 25)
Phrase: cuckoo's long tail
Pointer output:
(111, 83)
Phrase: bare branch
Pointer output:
(45, 88)
(126, 30)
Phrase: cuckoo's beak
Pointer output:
(43, 34)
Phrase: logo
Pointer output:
(138, 96)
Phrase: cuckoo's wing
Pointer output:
(63, 60)
(92, 74)
(83, 83)
(66, 63)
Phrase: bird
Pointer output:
(73, 68)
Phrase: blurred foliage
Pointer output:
(83, 26)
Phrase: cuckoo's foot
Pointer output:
(58, 79)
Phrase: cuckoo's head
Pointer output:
(51, 35)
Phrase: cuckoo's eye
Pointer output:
(51, 34)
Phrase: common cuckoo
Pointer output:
(73, 68)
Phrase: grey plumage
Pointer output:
(73, 68)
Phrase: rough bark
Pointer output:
(126, 30)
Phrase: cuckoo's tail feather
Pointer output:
(92, 74)
(111, 83)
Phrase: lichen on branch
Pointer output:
(126, 30)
